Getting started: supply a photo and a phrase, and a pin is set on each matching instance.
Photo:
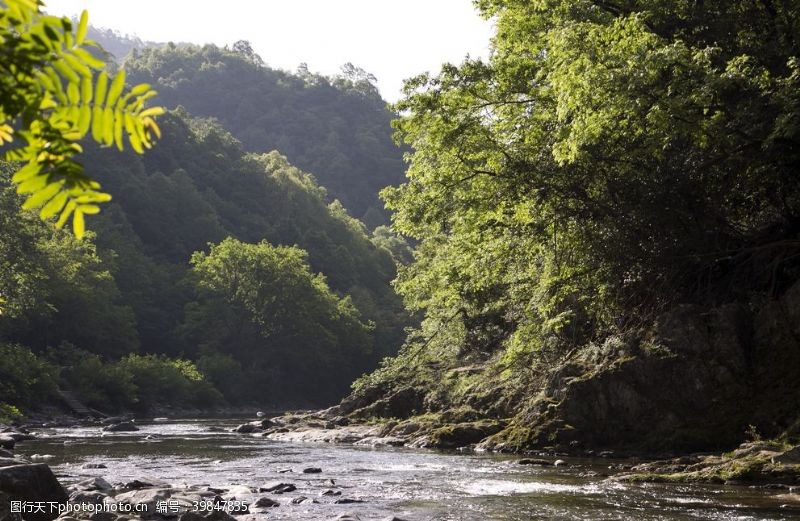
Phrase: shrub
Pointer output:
(25, 379)
(160, 381)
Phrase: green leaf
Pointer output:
(42, 196)
(85, 120)
(77, 65)
(100, 89)
(26, 172)
(78, 224)
(54, 205)
(73, 94)
(140, 89)
(66, 71)
(32, 185)
(89, 59)
(86, 91)
(118, 124)
(97, 123)
(83, 26)
(108, 126)
(116, 87)
(89, 209)
(65, 214)
(152, 111)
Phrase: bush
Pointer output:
(160, 381)
(9, 414)
(25, 379)
(137, 382)
(99, 385)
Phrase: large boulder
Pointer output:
(5, 509)
(33, 483)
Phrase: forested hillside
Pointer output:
(336, 128)
(298, 305)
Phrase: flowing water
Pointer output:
(411, 484)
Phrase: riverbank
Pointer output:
(192, 458)
(770, 463)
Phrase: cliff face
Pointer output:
(695, 379)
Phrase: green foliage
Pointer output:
(263, 305)
(101, 385)
(50, 100)
(56, 287)
(9, 413)
(609, 159)
(205, 188)
(25, 379)
(338, 127)
(164, 381)
(125, 289)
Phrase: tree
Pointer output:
(262, 305)
(609, 159)
(50, 99)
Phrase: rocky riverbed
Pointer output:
(303, 467)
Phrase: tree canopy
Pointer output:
(336, 128)
(608, 160)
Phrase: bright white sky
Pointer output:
(392, 39)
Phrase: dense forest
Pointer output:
(215, 276)
(336, 128)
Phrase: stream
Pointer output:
(410, 484)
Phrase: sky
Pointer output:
(392, 39)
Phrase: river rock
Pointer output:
(347, 501)
(534, 461)
(277, 487)
(460, 434)
(299, 500)
(330, 492)
(266, 423)
(94, 466)
(238, 492)
(92, 484)
(247, 428)
(6, 453)
(90, 498)
(789, 457)
(7, 442)
(265, 502)
(347, 516)
(121, 427)
(138, 484)
(5, 509)
(312, 470)
(144, 501)
(34, 482)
